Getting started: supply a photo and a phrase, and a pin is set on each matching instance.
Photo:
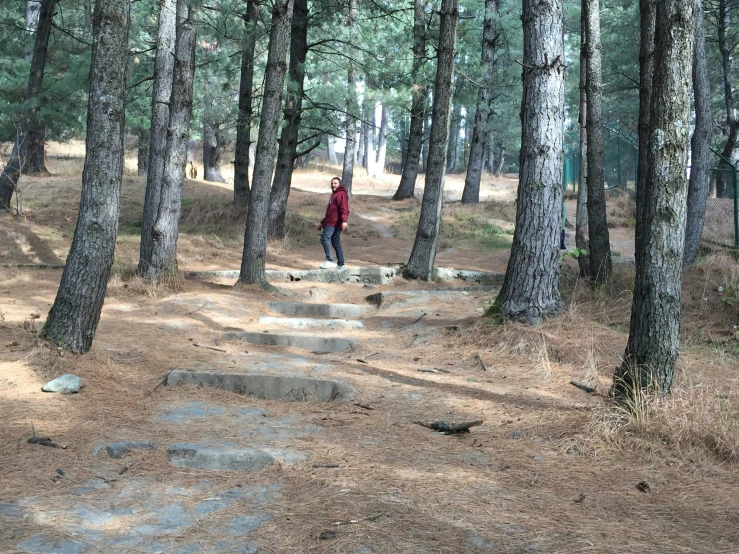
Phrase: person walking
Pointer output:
(335, 221)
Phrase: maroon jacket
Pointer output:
(337, 211)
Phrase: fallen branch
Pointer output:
(331, 466)
(46, 441)
(209, 347)
(450, 428)
(583, 386)
(365, 406)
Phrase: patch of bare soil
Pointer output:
(551, 469)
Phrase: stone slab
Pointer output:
(218, 459)
(307, 322)
(413, 297)
(371, 275)
(307, 342)
(270, 387)
(121, 448)
(481, 277)
(319, 310)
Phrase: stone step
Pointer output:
(307, 342)
(196, 456)
(307, 322)
(319, 310)
(414, 297)
(375, 275)
(289, 388)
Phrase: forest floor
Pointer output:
(551, 468)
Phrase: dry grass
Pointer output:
(622, 212)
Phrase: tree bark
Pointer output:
(347, 173)
(243, 124)
(530, 292)
(30, 136)
(425, 144)
(74, 317)
(143, 152)
(600, 248)
(500, 160)
(292, 114)
(382, 140)
(700, 170)
(36, 133)
(723, 181)
(33, 14)
(163, 266)
(653, 345)
(255, 238)
(452, 159)
(421, 262)
(361, 152)
(370, 154)
(647, 18)
(407, 184)
(481, 127)
(163, 67)
(331, 149)
(212, 146)
(581, 215)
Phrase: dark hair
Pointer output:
(337, 178)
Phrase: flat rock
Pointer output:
(481, 277)
(308, 322)
(307, 342)
(66, 384)
(413, 296)
(371, 275)
(119, 449)
(270, 387)
(44, 544)
(218, 459)
(319, 310)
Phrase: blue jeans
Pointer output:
(332, 237)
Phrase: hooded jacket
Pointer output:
(337, 211)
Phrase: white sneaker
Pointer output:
(327, 265)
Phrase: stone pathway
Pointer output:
(111, 514)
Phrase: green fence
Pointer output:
(621, 164)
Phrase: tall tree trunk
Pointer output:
(500, 160)
(292, 114)
(581, 215)
(30, 136)
(407, 184)
(74, 317)
(452, 159)
(255, 237)
(33, 13)
(425, 145)
(143, 152)
(212, 143)
(243, 123)
(331, 150)
(481, 129)
(600, 248)
(653, 345)
(163, 264)
(382, 140)
(36, 133)
(347, 173)
(370, 155)
(530, 292)
(700, 170)
(163, 67)
(403, 144)
(647, 18)
(489, 161)
(724, 183)
(361, 154)
(421, 262)
(87, 23)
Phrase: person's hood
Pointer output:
(340, 188)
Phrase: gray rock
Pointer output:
(119, 449)
(243, 525)
(44, 544)
(219, 459)
(66, 384)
